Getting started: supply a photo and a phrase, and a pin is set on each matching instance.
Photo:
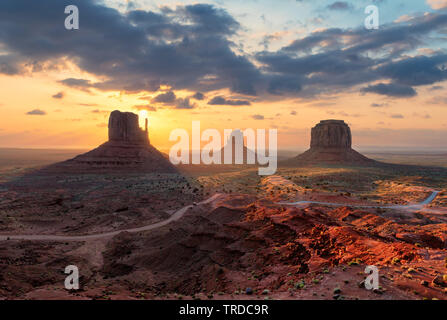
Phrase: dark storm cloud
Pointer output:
(198, 96)
(190, 48)
(417, 71)
(392, 90)
(139, 50)
(316, 39)
(284, 84)
(165, 98)
(170, 99)
(331, 60)
(221, 101)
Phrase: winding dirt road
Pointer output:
(410, 207)
(179, 214)
(174, 217)
(279, 180)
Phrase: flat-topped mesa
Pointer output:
(331, 143)
(331, 134)
(124, 127)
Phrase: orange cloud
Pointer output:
(437, 4)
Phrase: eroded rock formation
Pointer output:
(124, 127)
(236, 145)
(331, 134)
(331, 142)
(128, 150)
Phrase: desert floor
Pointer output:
(244, 243)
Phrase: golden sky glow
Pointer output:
(79, 119)
(257, 44)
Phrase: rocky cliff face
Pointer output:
(331, 143)
(331, 134)
(124, 127)
(128, 150)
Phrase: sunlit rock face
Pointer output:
(331, 134)
(124, 127)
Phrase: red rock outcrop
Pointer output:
(331, 142)
(123, 127)
(331, 134)
(128, 150)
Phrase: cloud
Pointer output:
(88, 104)
(417, 71)
(184, 104)
(402, 137)
(134, 51)
(268, 38)
(397, 116)
(284, 84)
(437, 4)
(58, 95)
(221, 101)
(198, 96)
(165, 98)
(393, 90)
(344, 114)
(332, 60)
(293, 113)
(438, 100)
(339, 5)
(422, 116)
(100, 111)
(170, 99)
(379, 105)
(191, 47)
(145, 107)
(258, 117)
(36, 112)
(81, 84)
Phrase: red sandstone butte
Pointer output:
(128, 150)
(331, 143)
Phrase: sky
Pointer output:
(231, 64)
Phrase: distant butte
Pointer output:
(331, 143)
(128, 150)
(235, 140)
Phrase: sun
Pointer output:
(143, 115)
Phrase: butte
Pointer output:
(128, 150)
(236, 143)
(331, 143)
